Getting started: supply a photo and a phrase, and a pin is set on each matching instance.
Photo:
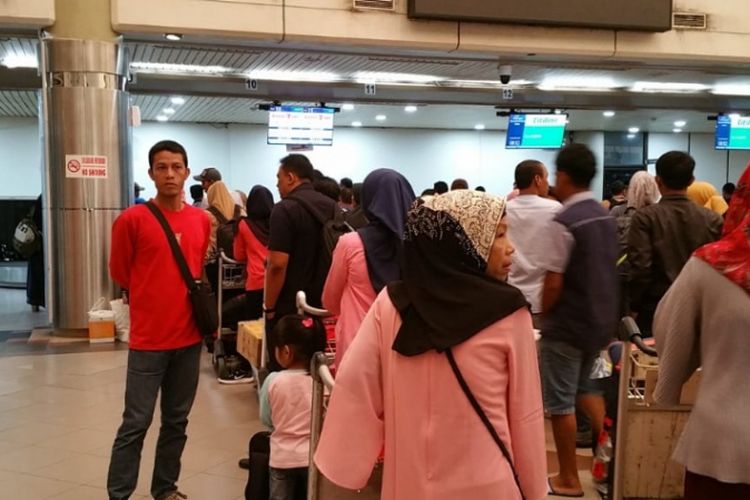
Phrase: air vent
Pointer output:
(374, 4)
(689, 21)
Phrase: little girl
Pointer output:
(285, 401)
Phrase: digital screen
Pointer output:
(732, 132)
(300, 125)
(535, 131)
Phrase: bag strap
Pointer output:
(483, 417)
(219, 216)
(310, 209)
(176, 250)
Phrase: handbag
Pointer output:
(483, 417)
(202, 298)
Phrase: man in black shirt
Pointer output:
(662, 237)
(294, 256)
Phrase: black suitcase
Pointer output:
(259, 449)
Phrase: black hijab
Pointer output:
(258, 207)
(386, 198)
(445, 297)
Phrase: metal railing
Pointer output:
(322, 380)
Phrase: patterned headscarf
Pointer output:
(705, 195)
(642, 190)
(731, 254)
(445, 297)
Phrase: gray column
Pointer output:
(88, 180)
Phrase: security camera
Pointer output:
(506, 71)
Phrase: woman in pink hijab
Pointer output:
(443, 373)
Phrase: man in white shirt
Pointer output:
(528, 215)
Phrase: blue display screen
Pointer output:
(527, 131)
(732, 132)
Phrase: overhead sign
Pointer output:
(641, 15)
(86, 167)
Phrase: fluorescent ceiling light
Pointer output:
(293, 76)
(168, 111)
(633, 130)
(410, 109)
(680, 123)
(593, 84)
(356, 124)
(735, 115)
(394, 78)
(177, 101)
(162, 118)
(479, 126)
(676, 130)
(487, 83)
(609, 114)
(380, 118)
(13, 61)
(731, 89)
(668, 87)
(173, 37)
(348, 107)
(178, 68)
(631, 136)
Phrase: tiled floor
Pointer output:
(16, 315)
(58, 417)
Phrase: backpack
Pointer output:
(331, 230)
(27, 239)
(226, 231)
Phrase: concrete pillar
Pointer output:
(87, 142)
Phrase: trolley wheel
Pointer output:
(219, 352)
(222, 370)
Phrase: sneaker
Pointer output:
(173, 495)
(245, 463)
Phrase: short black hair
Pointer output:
(459, 184)
(171, 146)
(617, 187)
(299, 165)
(196, 192)
(440, 187)
(306, 335)
(578, 162)
(526, 171)
(357, 193)
(428, 192)
(328, 187)
(346, 182)
(675, 169)
(480, 188)
(729, 188)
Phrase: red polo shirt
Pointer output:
(141, 261)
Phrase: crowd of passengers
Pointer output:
(463, 318)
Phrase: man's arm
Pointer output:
(558, 246)
(121, 252)
(275, 277)
(553, 285)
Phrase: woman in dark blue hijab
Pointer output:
(386, 198)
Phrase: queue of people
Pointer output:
(439, 301)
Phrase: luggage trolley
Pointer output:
(231, 278)
(646, 433)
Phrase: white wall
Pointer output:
(20, 158)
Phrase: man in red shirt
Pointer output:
(165, 343)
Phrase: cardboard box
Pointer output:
(101, 331)
(250, 340)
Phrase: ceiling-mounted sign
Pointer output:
(85, 167)
(638, 15)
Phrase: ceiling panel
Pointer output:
(18, 103)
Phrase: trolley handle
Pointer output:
(226, 259)
(321, 371)
(303, 307)
(629, 331)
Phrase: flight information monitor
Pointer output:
(300, 125)
(528, 131)
(732, 132)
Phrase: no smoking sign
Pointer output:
(86, 167)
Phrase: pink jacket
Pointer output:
(436, 447)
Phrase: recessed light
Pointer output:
(609, 114)
(633, 130)
(380, 118)
(356, 124)
(178, 101)
(168, 111)
(676, 130)
(173, 37)
(12, 61)
(410, 109)
(162, 118)
(680, 123)
(631, 136)
(348, 107)
(479, 126)
(558, 111)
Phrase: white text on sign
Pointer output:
(86, 167)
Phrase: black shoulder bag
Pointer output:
(483, 417)
(203, 300)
